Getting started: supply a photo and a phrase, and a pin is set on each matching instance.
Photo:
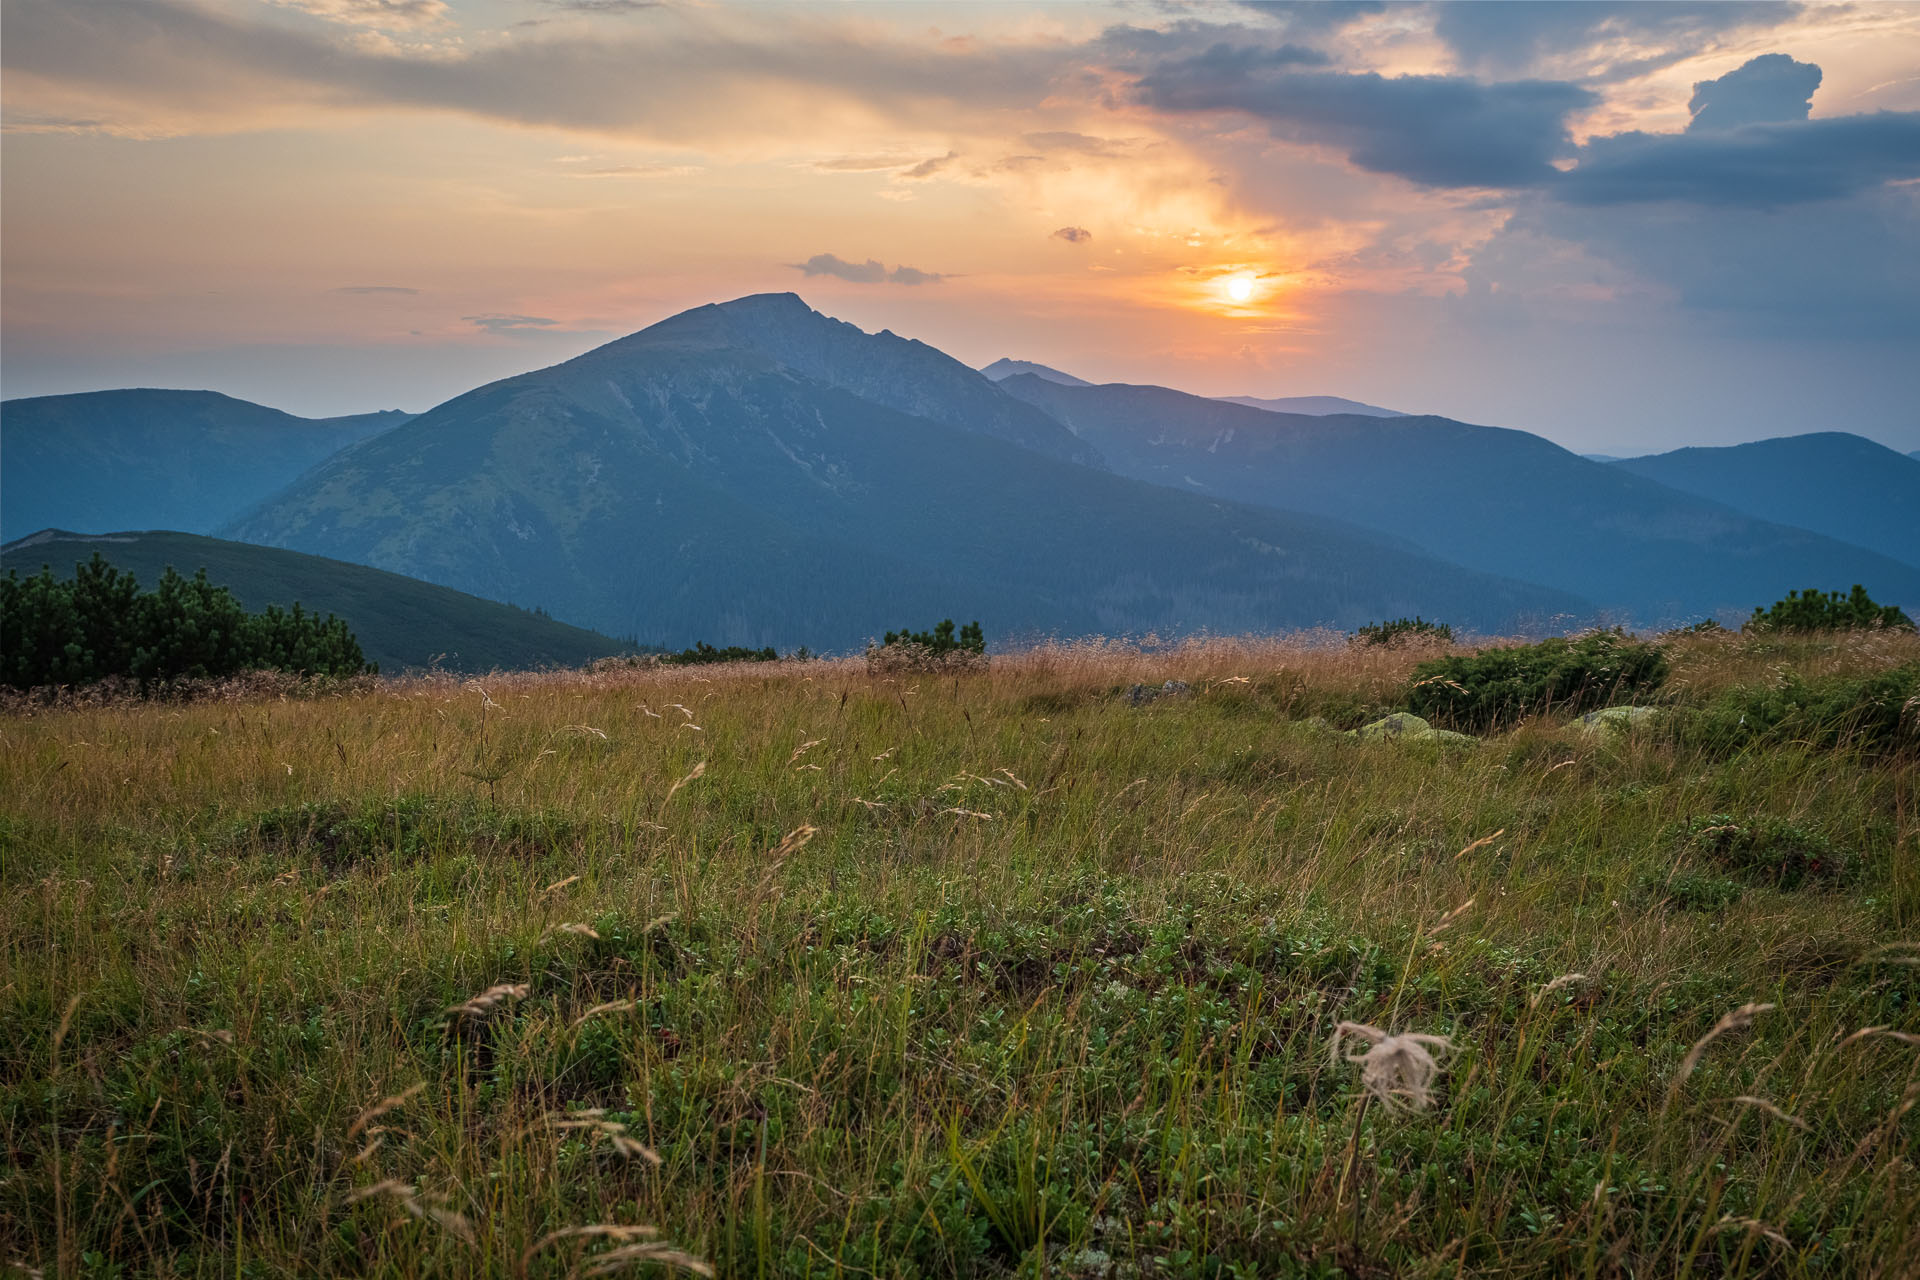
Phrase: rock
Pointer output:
(1403, 724)
(1608, 718)
(1141, 694)
(1400, 724)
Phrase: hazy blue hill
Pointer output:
(1314, 406)
(1005, 368)
(1831, 482)
(1497, 500)
(149, 459)
(686, 484)
(400, 622)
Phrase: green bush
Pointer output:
(1476, 692)
(942, 640)
(941, 649)
(1878, 712)
(1828, 611)
(100, 625)
(1769, 850)
(1401, 630)
(704, 653)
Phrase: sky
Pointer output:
(1624, 226)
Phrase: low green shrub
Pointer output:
(1694, 891)
(1476, 692)
(1879, 712)
(703, 653)
(1816, 610)
(1401, 631)
(1763, 849)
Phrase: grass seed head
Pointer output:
(1396, 1069)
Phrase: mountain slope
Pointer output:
(149, 459)
(683, 484)
(1496, 500)
(1831, 482)
(400, 622)
(1314, 406)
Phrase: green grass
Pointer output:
(1048, 991)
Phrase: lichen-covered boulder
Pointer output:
(1610, 718)
(1404, 725)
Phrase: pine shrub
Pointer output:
(100, 626)
(1816, 610)
(1477, 692)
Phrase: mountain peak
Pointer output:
(1002, 369)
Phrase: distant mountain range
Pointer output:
(401, 623)
(757, 473)
(1829, 481)
(150, 459)
(1001, 370)
(1500, 501)
(1314, 406)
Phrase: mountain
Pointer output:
(756, 473)
(1831, 482)
(1314, 406)
(1496, 500)
(400, 622)
(1004, 368)
(148, 459)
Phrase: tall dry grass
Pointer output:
(958, 975)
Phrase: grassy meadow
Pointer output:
(789, 970)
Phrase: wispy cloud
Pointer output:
(383, 15)
(507, 323)
(872, 271)
(375, 288)
(1073, 235)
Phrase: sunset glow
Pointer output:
(479, 189)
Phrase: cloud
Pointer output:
(1073, 235)
(927, 168)
(913, 275)
(602, 6)
(1437, 131)
(648, 170)
(1517, 35)
(500, 324)
(159, 66)
(1771, 89)
(375, 288)
(862, 164)
(1758, 166)
(383, 15)
(1080, 143)
(872, 271)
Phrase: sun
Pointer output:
(1239, 288)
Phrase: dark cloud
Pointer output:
(872, 271)
(1438, 131)
(1073, 235)
(375, 288)
(1760, 166)
(1513, 35)
(1770, 89)
(498, 323)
